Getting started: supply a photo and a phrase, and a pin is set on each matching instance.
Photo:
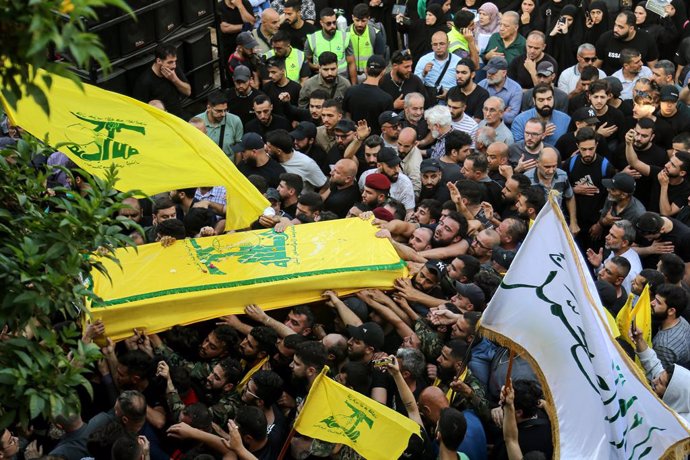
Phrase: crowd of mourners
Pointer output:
(447, 125)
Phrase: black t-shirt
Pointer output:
(271, 171)
(609, 49)
(576, 102)
(341, 200)
(242, 106)
(231, 16)
(655, 156)
(273, 91)
(422, 127)
(367, 102)
(679, 236)
(663, 131)
(613, 117)
(590, 174)
(150, 86)
(475, 102)
(298, 36)
(320, 156)
(411, 85)
(518, 72)
(680, 121)
(277, 122)
(677, 194)
(567, 146)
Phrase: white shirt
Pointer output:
(569, 78)
(467, 125)
(635, 267)
(304, 166)
(402, 189)
(645, 72)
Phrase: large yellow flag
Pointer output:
(198, 279)
(155, 151)
(641, 314)
(336, 414)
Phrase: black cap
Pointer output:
(621, 181)
(272, 194)
(358, 307)
(437, 267)
(389, 117)
(388, 156)
(430, 165)
(649, 223)
(586, 114)
(503, 257)
(369, 333)
(376, 62)
(304, 130)
(669, 93)
(473, 293)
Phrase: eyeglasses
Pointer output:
(533, 134)
(478, 242)
(247, 390)
(589, 59)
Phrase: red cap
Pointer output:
(378, 181)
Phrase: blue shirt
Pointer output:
(511, 93)
(474, 444)
(558, 118)
(448, 80)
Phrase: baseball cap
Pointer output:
(545, 68)
(430, 165)
(473, 293)
(246, 39)
(252, 141)
(438, 267)
(376, 62)
(345, 125)
(369, 333)
(669, 93)
(304, 130)
(621, 181)
(241, 73)
(272, 194)
(389, 117)
(358, 307)
(388, 156)
(503, 257)
(649, 223)
(377, 181)
(586, 114)
(495, 64)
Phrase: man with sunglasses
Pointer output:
(586, 56)
(329, 38)
(400, 81)
(219, 122)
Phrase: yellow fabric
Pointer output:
(198, 279)
(257, 367)
(336, 414)
(641, 314)
(450, 394)
(155, 151)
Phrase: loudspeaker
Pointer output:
(115, 81)
(197, 49)
(135, 35)
(196, 10)
(110, 38)
(168, 19)
(201, 79)
(134, 69)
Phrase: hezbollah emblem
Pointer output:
(94, 139)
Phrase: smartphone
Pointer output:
(561, 20)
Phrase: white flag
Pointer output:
(547, 308)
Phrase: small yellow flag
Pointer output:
(154, 150)
(336, 414)
(641, 314)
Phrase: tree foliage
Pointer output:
(30, 28)
(47, 249)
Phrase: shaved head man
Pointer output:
(343, 192)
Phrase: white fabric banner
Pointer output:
(548, 309)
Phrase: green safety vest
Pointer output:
(363, 46)
(293, 63)
(457, 41)
(337, 45)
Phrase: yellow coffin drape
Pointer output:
(198, 279)
(156, 151)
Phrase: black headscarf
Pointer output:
(591, 35)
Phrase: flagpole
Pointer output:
(283, 451)
(510, 367)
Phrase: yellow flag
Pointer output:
(336, 414)
(155, 151)
(204, 278)
(642, 314)
(623, 319)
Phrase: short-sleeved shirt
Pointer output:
(232, 133)
(150, 86)
(559, 182)
(609, 49)
(510, 52)
(307, 168)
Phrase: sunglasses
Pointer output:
(400, 56)
(589, 59)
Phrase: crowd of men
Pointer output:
(447, 124)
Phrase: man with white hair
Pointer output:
(494, 108)
(413, 115)
(439, 120)
(586, 56)
(497, 83)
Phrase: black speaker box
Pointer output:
(110, 38)
(134, 69)
(168, 19)
(115, 81)
(201, 79)
(196, 10)
(197, 49)
(135, 35)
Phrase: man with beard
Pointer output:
(642, 154)
(327, 39)
(476, 169)
(184, 200)
(388, 164)
(289, 188)
(513, 186)
(389, 122)
(631, 71)
(675, 114)
(546, 75)
(523, 69)
(476, 95)
(327, 79)
(219, 122)
(439, 120)
(218, 344)
(265, 120)
(163, 209)
(586, 171)
(463, 390)
(264, 390)
(375, 191)
(280, 146)
(493, 111)
(279, 86)
(529, 203)
(584, 117)
(548, 176)
(331, 114)
(449, 238)
(620, 203)
(497, 83)
(556, 122)
(658, 235)
(483, 245)
(433, 187)
(367, 39)
(428, 212)
(257, 348)
(365, 101)
(619, 241)
(365, 341)
(411, 156)
(294, 24)
(344, 133)
(497, 154)
(625, 34)
(523, 154)
(614, 271)
(343, 191)
(296, 68)
(672, 342)
(610, 118)
(423, 290)
(460, 121)
(304, 136)
(400, 81)
(241, 97)
(244, 56)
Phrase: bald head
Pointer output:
(344, 172)
(132, 209)
(548, 154)
(439, 44)
(270, 21)
(431, 402)
(407, 135)
(348, 166)
(333, 340)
